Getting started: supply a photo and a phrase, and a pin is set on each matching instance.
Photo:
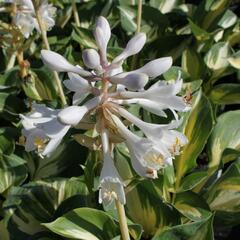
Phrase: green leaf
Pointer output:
(209, 12)
(40, 202)
(200, 230)
(164, 6)
(192, 180)
(197, 127)
(224, 196)
(10, 103)
(85, 224)
(226, 134)
(192, 63)
(228, 19)
(127, 17)
(226, 93)
(7, 140)
(3, 231)
(12, 171)
(217, 56)
(199, 33)
(192, 206)
(59, 162)
(155, 213)
(234, 60)
(173, 73)
(84, 37)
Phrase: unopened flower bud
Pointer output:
(132, 81)
(91, 58)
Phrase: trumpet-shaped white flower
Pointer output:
(42, 130)
(26, 20)
(146, 155)
(44, 127)
(111, 185)
(163, 135)
(157, 98)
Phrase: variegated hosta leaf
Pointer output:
(224, 196)
(200, 230)
(41, 202)
(85, 224)
(128, 16)
(146, 207)
(13, 171)
(192, 206)
(164, 6)
(209, 11)
(217, 56)
(197, 126)
(67, 155)
(228, 19)
(226, 93)
(192, 63)
(192, 180)
(226, 134)
(199, 219)
(234, 60)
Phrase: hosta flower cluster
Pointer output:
(105, 91)
(25, 16)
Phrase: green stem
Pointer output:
(122, 220)
(139, 20)
(139, 16)
(11, 61)
(75, 13)
(47, 46)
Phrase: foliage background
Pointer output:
(197, 198)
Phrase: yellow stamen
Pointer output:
(154, 158)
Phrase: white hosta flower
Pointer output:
(42, 130)
(111, 185)
(163, 135)
(157, 98)
(26, 20)
(79, 85)
(146, 156)
(58, 63)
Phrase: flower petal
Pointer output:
(58, 63)
(91, 58)
(51, 146)
(156, 67)
(72, 115)
(75, 82)
(53, 128)
(102, 35)
(132, 81)
(134, 46)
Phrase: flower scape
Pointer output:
(105, 91)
